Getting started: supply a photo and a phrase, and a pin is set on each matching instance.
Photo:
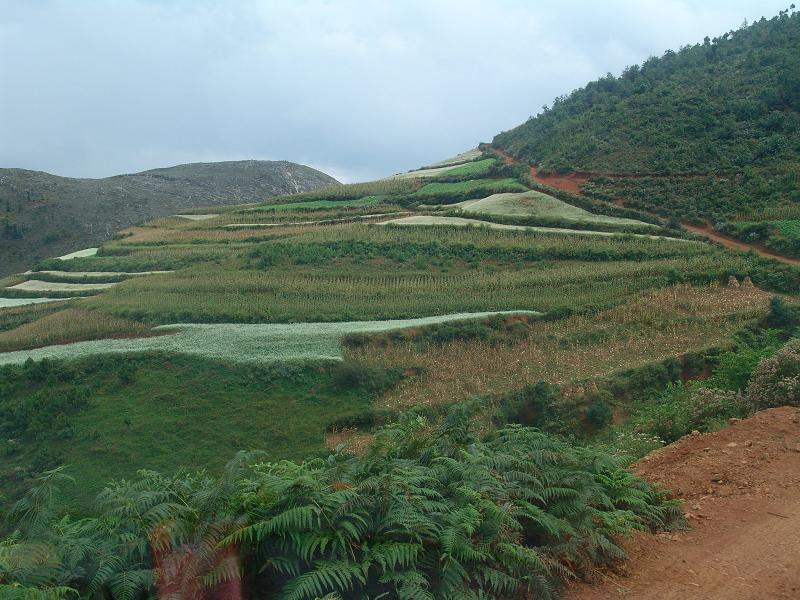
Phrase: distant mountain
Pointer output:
(43, 215)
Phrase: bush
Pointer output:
(776, 380)
(600, 412)
(353, 375)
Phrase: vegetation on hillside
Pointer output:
(709, 132)
(431, 512)
(438, 458)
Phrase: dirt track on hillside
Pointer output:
(572, 182)
(728, 242)
(741, 488)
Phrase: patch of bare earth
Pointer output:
(356, 442)
(741, 493)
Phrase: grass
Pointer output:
(66, 326)
(170, 411)
(235, 343)
(789, 228)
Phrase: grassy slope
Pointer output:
(181, 411)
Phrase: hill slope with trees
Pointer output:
(708, 133)
(43, 215)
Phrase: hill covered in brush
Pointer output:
(44, 215)
(707, 133)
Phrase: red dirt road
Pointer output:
(734, 244)
(572, 182)
(741, 492)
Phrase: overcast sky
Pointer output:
(358, 88)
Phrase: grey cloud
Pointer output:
(359, 89)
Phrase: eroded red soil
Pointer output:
(741, 492)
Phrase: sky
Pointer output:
(360, 89)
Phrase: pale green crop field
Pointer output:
(203, 217)
(241, 343)
(12, 302)
(80, 254)
(537, 204)
(458, 159)
(431, 220)
(34, 285)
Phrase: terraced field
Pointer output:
(237, 343)
(329, 308)
(465, 222)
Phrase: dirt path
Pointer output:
(572, 182)
(734, 244)
(741, 488)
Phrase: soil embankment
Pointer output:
(741, 490)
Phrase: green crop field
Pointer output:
(315, 204)
(536, 204)
(448, 193)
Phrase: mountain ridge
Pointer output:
(42, 214)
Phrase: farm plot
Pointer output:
(464, 222)
(69, 325)
(72, 275)
(450, 193)
(475, 168)
(316, 204)
(458, 159)
(13, 302)
(241, 343)
(649, 327)
(537, 204)
(308, 292)
(320, 222)
(79, 254)
(35, 285)
(198, 217)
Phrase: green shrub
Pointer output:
(600, 412)
(776, 380)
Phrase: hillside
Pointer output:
(431, 385)
(707, 133)
(45, 215)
